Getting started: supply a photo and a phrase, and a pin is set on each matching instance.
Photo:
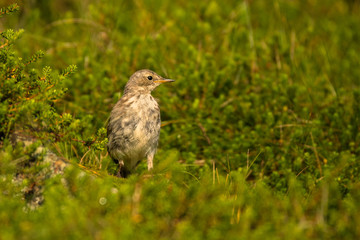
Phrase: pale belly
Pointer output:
(142, 141)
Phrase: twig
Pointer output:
(290, 125)
(77, 20)
(4, 45)
(248, 167)
(203, 130)
(213, 171)
(224, 104)
(170, 122)
(247, 159)
(292, 45)
(316, 154)
(302, 171)
(81, 160)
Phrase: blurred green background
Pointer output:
(261, 130)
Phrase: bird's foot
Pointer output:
(122, 172)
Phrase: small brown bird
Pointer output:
(134, 126)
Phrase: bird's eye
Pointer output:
(149, 77)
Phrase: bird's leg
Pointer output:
(150, 158)
(120, 173)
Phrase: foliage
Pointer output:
(261, 130)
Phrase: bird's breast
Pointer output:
(146, 109)
(142, 122)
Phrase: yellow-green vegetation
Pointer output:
(261, 130)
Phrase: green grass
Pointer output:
(261, 135)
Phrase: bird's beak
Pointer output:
(164, 80)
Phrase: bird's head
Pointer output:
(145, 81)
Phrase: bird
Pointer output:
(133, 127)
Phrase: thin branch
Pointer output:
(316, 154)
(4, 45)
(78, 21)
(302, 171)
(203, 130)
(81, 160)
